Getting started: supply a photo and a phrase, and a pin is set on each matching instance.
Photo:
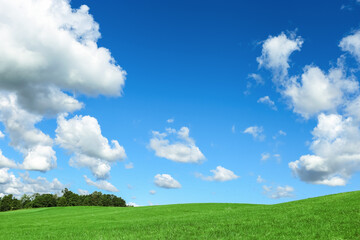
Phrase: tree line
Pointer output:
(68, 198)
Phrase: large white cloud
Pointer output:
(220, 174)
(318, 92)
(82, 136)
(276, 52)
(47, 47)
(101, 184)
(183, 150)
(336, 147)
(49, 54)
(10, 184)
(166, 181)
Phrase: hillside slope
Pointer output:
(329, 217)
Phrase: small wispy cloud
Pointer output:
(256, 132)
(278, 192)
(267, 101)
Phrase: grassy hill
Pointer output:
(329, 217)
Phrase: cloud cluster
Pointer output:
(336, 145)
(332, 97)
(166, 181)
(183, 149)
(81, 136)
(10, 184)
(220, 174)
(49, 54)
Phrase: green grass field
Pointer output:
(329, 217)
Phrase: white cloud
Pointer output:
(35, 145)
(276, 52)
(129, 165)
(48, 47)
(319, 92)
(233, 129)
(133, 204)
(171, 120)
(48, 51)
(265, 156)
(266, 100)
(336, 147)
(257, 78)
(166, 181)
(2, 135)
(278, 192)
(5, 162)
(82, 136)
(221, 174)
(281, 132)
(183, 150)
(278, 157)
(351, 44)
(256, 132)
(152, 192)
(10, 184)
(83, 192)
(259, 179)
(101, 184)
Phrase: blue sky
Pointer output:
(222, 101)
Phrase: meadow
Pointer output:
(329, 217)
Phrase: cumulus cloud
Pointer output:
(166, 181)
(351, 44)
(319, 92)
(278, 192)
(336, 147)
(171, 120)
(35, 145)
(152, 192)
(2, 135)
(266, 100)
(220, 174)
(10, 184)
(276, 52)
(5, 162)
(101, 184)
(81, 135)
(49, 53)
(256, 132)
(183, 149)
(48, 47)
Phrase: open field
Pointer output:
(329, 217)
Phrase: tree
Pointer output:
(25, 201)
(6, 203)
